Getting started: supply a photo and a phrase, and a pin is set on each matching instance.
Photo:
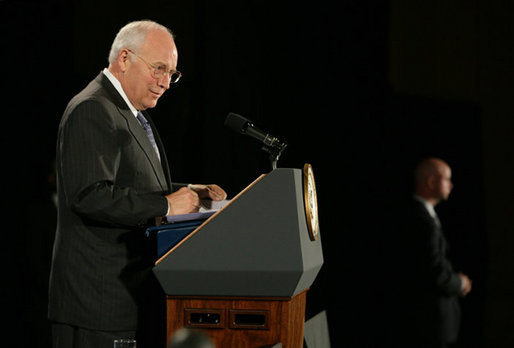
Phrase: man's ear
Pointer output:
(431, 182)
(123, 59)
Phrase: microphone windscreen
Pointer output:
(236, 122)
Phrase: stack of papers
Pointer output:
(208, 208)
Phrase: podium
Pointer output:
(241, 277)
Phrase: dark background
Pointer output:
(360, 89)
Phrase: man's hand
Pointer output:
(466, 284)
(212, 191)
(183, 201)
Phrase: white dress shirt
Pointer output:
(117, 85)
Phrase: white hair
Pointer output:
(132, 36)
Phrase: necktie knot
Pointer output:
(142, 119)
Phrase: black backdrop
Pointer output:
(326, 79)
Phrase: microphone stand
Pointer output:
(274, 153)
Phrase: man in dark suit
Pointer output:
(426, 309)
(113, 181)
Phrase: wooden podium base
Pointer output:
(243, 322)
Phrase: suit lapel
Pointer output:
(142, 139)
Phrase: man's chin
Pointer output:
(150, 105)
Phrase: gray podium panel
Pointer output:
(258, 245)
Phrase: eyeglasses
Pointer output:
(159, 71)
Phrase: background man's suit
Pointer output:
(110, 185)
(422, 308)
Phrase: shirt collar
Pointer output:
(429, 207)
(120, 90)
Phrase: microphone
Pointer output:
(242, 125)
(272, 145)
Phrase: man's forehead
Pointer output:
(160, 46)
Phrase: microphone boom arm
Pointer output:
(272, 145)
(274, 150)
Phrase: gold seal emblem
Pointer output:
(310, 201)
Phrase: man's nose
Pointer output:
(164, 81)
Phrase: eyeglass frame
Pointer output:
(155, 70)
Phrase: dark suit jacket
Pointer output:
(110, 184)
(424, 288)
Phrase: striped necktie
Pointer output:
(148, 129)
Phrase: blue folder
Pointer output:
(168, 235)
